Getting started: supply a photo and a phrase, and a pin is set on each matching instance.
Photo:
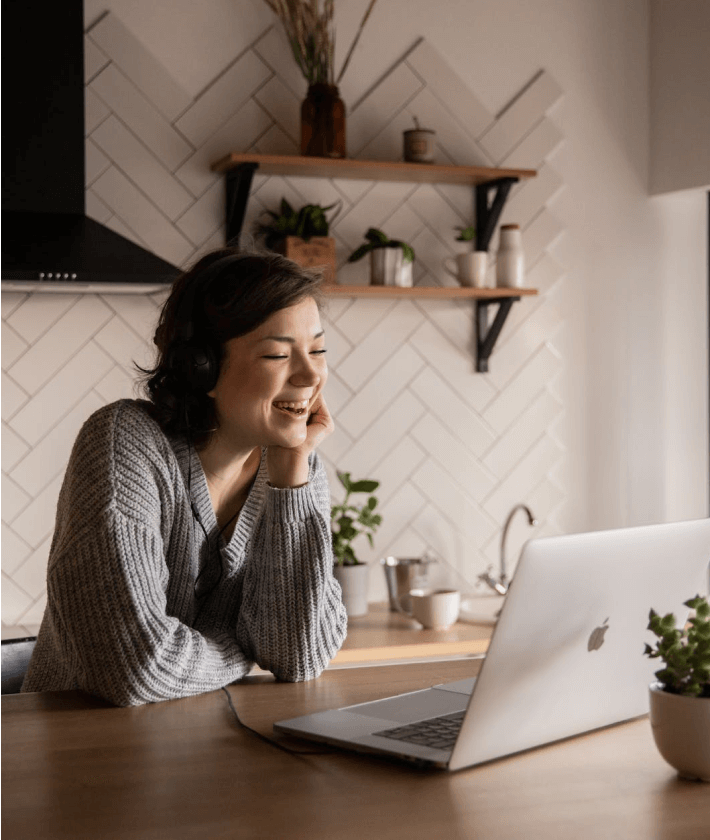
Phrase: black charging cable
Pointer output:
(271, 741)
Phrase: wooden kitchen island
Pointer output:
(75, 768)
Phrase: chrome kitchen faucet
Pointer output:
(502, 583)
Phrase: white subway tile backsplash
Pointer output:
(13, 346)
(36, 521)
(372, 399)
(48, 459)
(14, 499)
(96, 160)
(56, 347)
(14, 550)
(223, 98)
(62, 393)
(95, 111)
(391, 332)
(37, 314)
(449, 88)
(472, 476)
(446, 405)
(14, 448)
(95, 59)
(15, 601)
(127, 102)
(13, 397)
(140, 65)
(142, 167)
(520, 117)
(389, 430)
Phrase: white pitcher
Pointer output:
(510, 260)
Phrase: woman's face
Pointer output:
(271, 378)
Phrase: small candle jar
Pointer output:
(419, 145)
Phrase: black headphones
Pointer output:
(195, 360)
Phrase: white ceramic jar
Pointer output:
(510, 260)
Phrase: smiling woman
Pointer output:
(193, 529)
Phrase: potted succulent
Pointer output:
(349, 521)
(470, 265)
(680, 700)
(302, 235)
(391, 260)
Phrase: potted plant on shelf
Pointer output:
(470, 265)
(391, 260)
(311, 35)
(302, 235)
(349, 521)
(680, 700)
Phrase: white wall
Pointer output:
(680, 102)
(620, 338)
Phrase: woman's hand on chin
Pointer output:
(288, 467)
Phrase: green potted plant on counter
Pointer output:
(391, 260)
(349, 521)
(302, 235)
(680, 700)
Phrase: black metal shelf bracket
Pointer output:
(488, 213)
(486, 336)
(237, 187)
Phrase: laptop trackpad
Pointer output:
(418, 705)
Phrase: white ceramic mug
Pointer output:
(471, 268)
(436, 609)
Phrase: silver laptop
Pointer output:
(566, 654)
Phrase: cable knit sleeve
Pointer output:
(106, 628)
(292, 620)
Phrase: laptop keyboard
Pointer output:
(439, 732)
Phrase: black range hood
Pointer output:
(48, 242)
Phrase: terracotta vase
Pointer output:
(323, 122)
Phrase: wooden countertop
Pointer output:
(75, 768)
(383, 635)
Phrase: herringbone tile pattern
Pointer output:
(454, 450)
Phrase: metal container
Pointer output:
(402, 575)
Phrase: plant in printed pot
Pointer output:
(680, 699)
(302, 235)
(348, 522)
(391, 260)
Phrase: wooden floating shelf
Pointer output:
(369, 170)
(424, 292)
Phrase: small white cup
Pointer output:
(471, 268)
(436, 609)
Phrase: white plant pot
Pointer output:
(386, 267)
(681, 730)
(354, 581)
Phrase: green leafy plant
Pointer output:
(686, 652)
(348, 521)
(377, 239)
(311, 220)
(466, 234)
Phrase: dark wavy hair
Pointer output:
(226, 294)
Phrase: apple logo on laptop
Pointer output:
(596, 639)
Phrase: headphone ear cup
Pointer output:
(204, 369)
(195, 366)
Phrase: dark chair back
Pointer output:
(16, 655)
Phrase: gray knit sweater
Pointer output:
(122, 619)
